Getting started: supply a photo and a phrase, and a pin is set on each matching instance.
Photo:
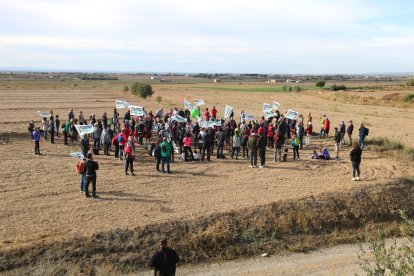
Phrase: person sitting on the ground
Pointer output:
(324, 154)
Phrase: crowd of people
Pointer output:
(164, 137)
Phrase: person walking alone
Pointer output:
(36, 139)
(91, 167)
(355, 156)
(165, 260)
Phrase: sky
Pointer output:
(223, 36)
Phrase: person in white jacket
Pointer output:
(236, 143)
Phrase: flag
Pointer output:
(227, 111)
(291, 114)
(249, 117)
(84, 129)
(187, 105)
(43, 114)
(136, 110)
(275, 105)
(198, 102)
(267, 107)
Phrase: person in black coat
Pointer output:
(164, 261)
(355, 156)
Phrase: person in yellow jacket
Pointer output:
(322, 131)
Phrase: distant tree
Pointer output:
(338, 87)
(410, 82)
(320, 83)
(141, 89)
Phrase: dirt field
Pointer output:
(40, 198)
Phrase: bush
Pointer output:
(158, 99)
(284, 88)
(389, 260)
(320, 83)
(297, 88)
(126, 88)
(409, 98)
(338, 87)
(410, 82)
(141, 89)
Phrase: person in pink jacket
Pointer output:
(187, 147)
(122, 139)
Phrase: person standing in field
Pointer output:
(106, 139)
(236, 144)
(165, 155)
(214, 113)
(363, 132)
(355, 156)
(349, 131)
(279, 142)
(308, 132)
(337, 140)
(207, 115)
(36, 139)
(45, 128)
(51, 129)
(71, 115)
(221, 138)
(81, 118)
(85, 144)
(342, 131)
(207, 141)
(252, 145)
(65, 131)
(326, 127)
(91, 166)
(129, 156)
(295, 146)
(322, 132)
(165, 260)
(261, 147)
(188, 153)
(57, 124)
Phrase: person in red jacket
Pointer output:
(207, 115)
(270, 134)
(122, 139)
(214, 112)
(129, 157)
(326, 127)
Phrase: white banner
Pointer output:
(178, 118)
(43, 114)
(187, 105)
(78, 154)
(267, 107)
(291, 114)
(84, 129)
(269, 114)
(275, 105)
(136, 110)
(198, 102)
(249, 117)
(227, 111)
(127, 104)
(119, 104)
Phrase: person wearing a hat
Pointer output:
(349, 131)
(308, 132)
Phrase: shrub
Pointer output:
(395, 259)
(284, 88)
(320, 83)
(410, 82)
(141, 89)
(158, 99)
(409, 98)
(338, 87)
(297, 88)
(126, 88)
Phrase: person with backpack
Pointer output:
(355, 156)
(80, 168)
(91, 166)
(36, 139)
(261, 147)
(363, 132)
(165, 155)
(252, 144)
(164, 261)
(129, 157)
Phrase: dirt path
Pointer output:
(338, 260)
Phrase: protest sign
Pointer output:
(269, 114)
(275, 105)
(43, 114)
(84, 129)
(267, 107)
(178, 118)
(136, 110)
(120, 104)
(78, 154)
(249, 117)
(198, 102)
(187, 105)
(227, 111)
(291, 114)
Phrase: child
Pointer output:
(284, 155)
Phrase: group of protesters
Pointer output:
(164, 137)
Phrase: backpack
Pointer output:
(120, 138)
(366, 131)
(80, 167)
(163, 148)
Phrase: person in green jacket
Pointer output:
(165, 154)
(65, 131)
